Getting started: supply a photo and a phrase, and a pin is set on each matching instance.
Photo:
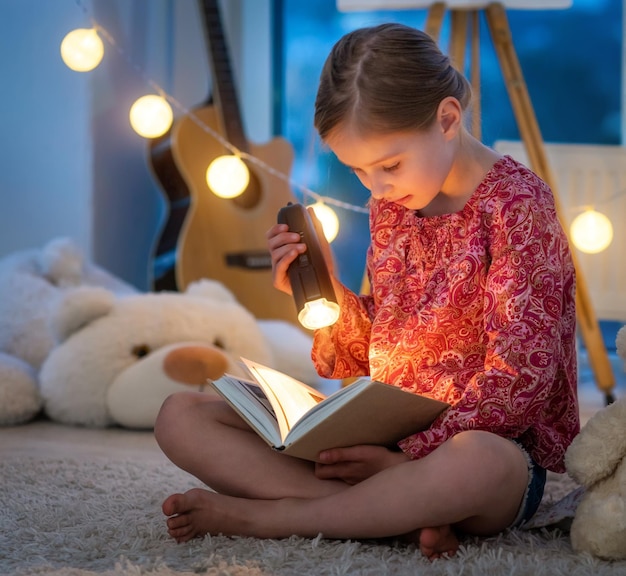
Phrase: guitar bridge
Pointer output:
(252, 260)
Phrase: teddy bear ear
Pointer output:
(79, 307)
(211, 289)
(61, 262)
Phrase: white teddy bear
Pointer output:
(31, 281)
(105, 344)
(110, 366)
(596, 459)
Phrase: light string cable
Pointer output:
(304, 190)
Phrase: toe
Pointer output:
(175, 522)
(172, 504)
(182, 534)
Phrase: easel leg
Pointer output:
(475, 76)
(462, 23)
(434, 20)
(458, 38)
(529, 130)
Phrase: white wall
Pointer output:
(71, 164)
(45, 149)
(161, 39)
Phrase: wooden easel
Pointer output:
(464, 20)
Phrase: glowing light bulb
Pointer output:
(82, 49)
(227, 176)
(328, 219)
(591, 232)
(318, 314)
(151, 116)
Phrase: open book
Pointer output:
(300, 421)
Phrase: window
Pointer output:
(571, 61)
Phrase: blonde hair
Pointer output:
(386, 78)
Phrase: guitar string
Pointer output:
(181, 108)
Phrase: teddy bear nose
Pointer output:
(195, 364)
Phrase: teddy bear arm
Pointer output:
(20, 400)
(600, 446)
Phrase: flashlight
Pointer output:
(310, 280)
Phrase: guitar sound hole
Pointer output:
(251, 196)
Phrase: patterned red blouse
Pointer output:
(475, 308)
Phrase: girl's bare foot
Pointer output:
(437, 542)
(199, 512)
(433, 542)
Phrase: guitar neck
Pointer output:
(224, 92)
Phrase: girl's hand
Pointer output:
(284, 247)
(356, 463)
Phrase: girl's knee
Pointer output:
(470, 442)
(481, 441)
(174, 403)
(499, 457)
(172, 411)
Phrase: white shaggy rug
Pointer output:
(102, 518)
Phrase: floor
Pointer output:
(43, 438)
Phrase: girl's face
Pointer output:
(408, 168)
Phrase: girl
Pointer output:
(472, 302)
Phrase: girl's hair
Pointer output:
(386, 78)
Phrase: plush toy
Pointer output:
(31, 281)
(55, 292)
(110, 365)
(596, 459)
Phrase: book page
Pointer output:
(290, 398)
(256, 392)
(250, 401)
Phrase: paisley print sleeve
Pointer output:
(341, 351)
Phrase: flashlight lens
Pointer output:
(318, 314)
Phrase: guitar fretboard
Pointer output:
(224, 92)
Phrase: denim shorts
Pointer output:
(534, 490)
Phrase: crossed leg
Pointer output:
(474, 482)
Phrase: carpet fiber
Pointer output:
(77, 518)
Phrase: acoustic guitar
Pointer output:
(211, 237)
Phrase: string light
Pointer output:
(227, 176)
(151, 116)
(591, 231)
(82, 49)
(257, 162)
(328, 219)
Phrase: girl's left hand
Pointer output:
(356, 463)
